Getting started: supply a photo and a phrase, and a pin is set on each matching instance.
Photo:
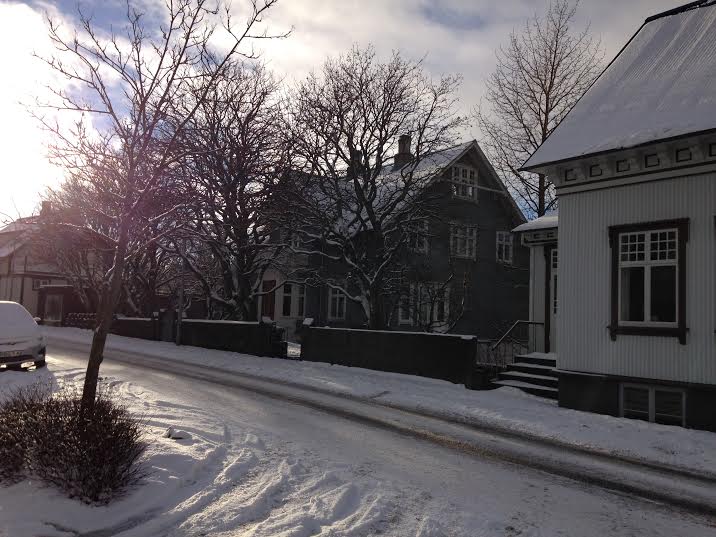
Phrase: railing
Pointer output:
(514, 341)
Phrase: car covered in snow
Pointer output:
(21, 341)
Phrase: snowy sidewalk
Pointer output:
(505, 409)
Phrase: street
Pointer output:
(388, 481)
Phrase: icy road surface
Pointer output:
(257, 465)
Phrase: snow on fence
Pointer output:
(440, 356)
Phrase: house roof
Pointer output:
(662, 85)
(548, 221)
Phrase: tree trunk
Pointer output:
(107, 304)
(377, 316)
(541, 194)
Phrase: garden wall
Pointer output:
(260, 339)
(440, 356)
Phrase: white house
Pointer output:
(634, 163)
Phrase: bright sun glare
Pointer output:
(25, 171)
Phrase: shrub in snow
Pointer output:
(93, 457)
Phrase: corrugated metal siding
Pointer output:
(584, 342)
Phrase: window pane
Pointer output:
(668, 407)
(663, 294)
(287, 290)
(632, 294)
(636, 403)
(440, 313)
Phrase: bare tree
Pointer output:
(354, 206)
(235, 159)
(128, 86)
(540, 75)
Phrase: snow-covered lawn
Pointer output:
(505, 408)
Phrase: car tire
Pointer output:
(40, 363)
(14, 367)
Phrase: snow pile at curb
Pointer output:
(506, 408)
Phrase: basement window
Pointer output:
(649, 279)
(653, 403)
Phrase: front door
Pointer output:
(553, 302)
(268, 301)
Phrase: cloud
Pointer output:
(454, 36)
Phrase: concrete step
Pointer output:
(530, 378)
(534, 369)
(541, 391)
(536, 358)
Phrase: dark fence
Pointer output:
(440, 356)
(261, 339)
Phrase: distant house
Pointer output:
(634, 164)
(22, 274)
(470, 238)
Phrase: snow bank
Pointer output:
(506, 408)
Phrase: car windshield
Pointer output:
(15, 320)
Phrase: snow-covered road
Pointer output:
(302, 464)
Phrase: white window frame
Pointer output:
(468, 234)
(652, 389)
(506, 240)
(40, 283)
(416, 303)
(647, 263)
(464, 182)
(418, 238)
(297, 300)
(340, 298)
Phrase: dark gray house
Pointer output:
(467, 273)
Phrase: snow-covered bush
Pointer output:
(93, 457)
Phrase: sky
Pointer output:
(453, 36)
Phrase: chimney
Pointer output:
(403, 156)
(46, 208)
(355, 166)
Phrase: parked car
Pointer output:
(21, 341)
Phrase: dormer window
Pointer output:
(464, 182)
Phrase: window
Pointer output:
(595, 170)
(463, 241)
(424, 304)
(570, 175)
(336, 305)
(301, 300)
(293, 300)
(649, 279)
(37, 283)
(653, 403)
(287, 292)
(464, 182)
(418, 237)
(504, 247)
(295, 242)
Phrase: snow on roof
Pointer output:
(548, 221)
(431, 164)
(661, 85)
